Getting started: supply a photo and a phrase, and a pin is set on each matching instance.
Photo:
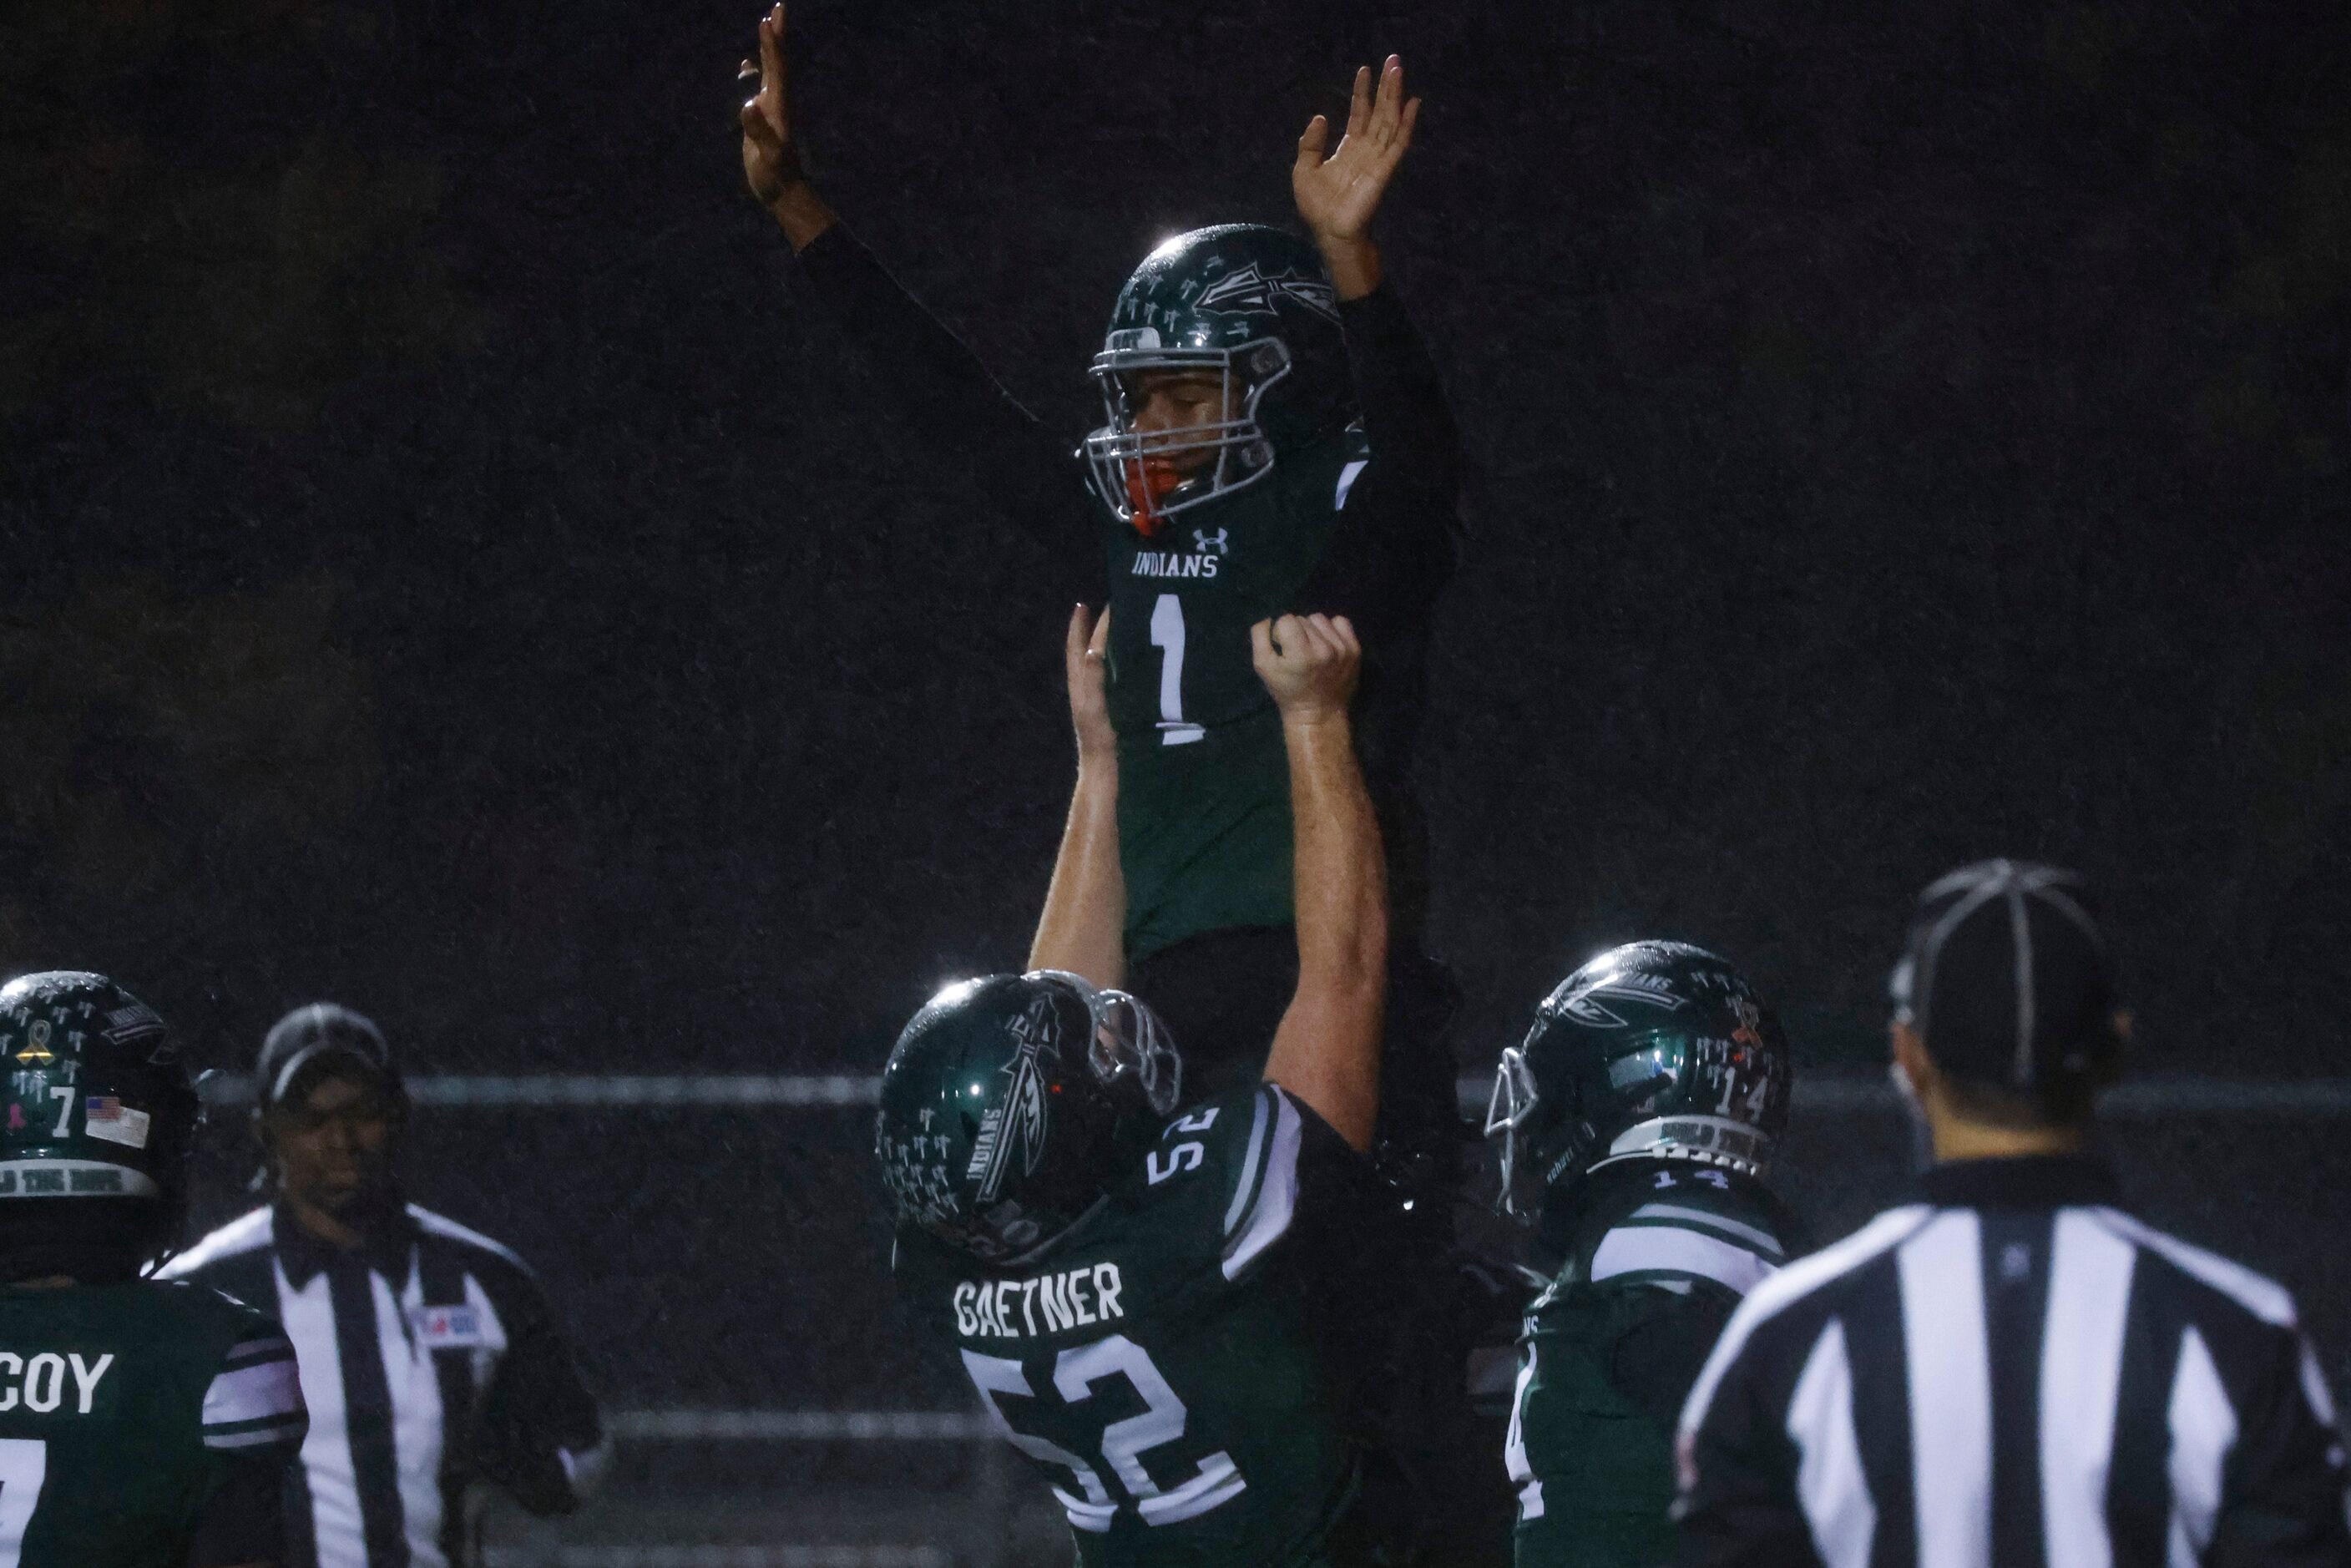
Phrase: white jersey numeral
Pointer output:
(1214, 1480)
(1168, 636)
(24, 1469)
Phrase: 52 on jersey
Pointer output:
(1159, 1367)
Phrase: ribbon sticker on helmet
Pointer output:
(37, 1051)
(1252, 291)
(1021, 1119)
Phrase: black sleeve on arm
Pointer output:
(994, 447)
(1403, 407)
(1393, 551)
(535, 1413)
(244, 1522)
(1738, 1507)
(2284, 1503)
(1655, 1361)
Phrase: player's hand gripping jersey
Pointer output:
(1164, 1365)
(136, 1418)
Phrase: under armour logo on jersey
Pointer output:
(1250, 290)
(1205, 543)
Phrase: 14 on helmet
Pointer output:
(1652, 1050)
(1254, 306)
(1008, 1102)
(99, 1106)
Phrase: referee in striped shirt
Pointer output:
(429, 1357)
(2009, 1371)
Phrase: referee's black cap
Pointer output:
(2006, 976)
(316, 1034)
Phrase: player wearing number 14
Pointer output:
(143, 1424)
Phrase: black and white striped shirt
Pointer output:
(429, 1362)
(2013, 1372)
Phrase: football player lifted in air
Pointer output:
(1273, 440)
(1140, 1291)
(1636, 1123)
(143, 1423)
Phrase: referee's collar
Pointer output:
(385, 1247)
(2030, 1181)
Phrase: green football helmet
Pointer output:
(1250, 303)
(99, 1105)
(1655, 1051)
(1008, 1102)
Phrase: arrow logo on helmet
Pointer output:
(1020, 1120)
(1251, 290)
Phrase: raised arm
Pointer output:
(1400, 517)
(1083, 927)
(994, 449)
(1327, 1049)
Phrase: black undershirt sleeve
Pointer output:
(245, 1521)
(1393, 553)
(994, 449)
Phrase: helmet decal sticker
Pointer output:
(1591, 1010)
(1020, 1120)
(1253, 291)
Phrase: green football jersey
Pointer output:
(1163, 1366)
(1665, 1253)
(1203, 778)
(125, 1410)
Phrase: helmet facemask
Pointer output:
(1136, 472)
(1508, 1111)
(1130, 1054)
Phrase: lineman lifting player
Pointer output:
(1275, 440)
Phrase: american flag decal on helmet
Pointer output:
(1020, 1120)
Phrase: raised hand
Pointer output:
(1338, 195)
(1085, 655)
(771, 159)
(1308, 663)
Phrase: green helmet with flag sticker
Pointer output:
(99, 1106)
(1008, 1102)
(1251, 305)
(1653, 1050)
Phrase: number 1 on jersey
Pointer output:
(1168, 636)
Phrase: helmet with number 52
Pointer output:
(1655, 1051)
(1008, 1102)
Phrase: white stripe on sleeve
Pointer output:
(1631, 1247)
(268, 1388)
(2203, 1430)
(1830, 1481)
(1755, 1236)
(1277, 1195)
(1950, 1368)
(2090, 1272)
(1249, 1165)
(1347, 477)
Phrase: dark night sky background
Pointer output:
(445, 571)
